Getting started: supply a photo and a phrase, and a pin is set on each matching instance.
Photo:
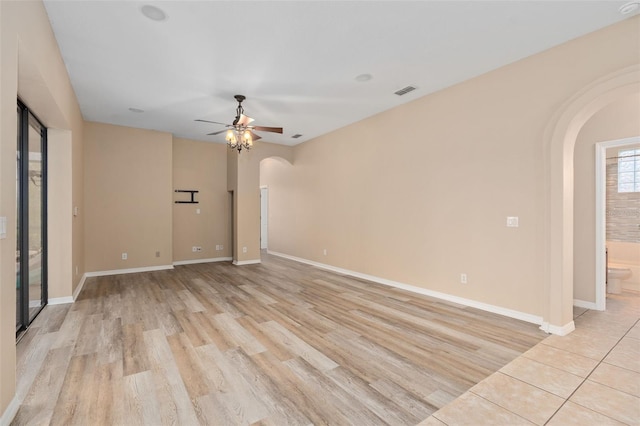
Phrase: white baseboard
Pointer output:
(246, 262)
(558, 330)
(194, 261)
(129, 271)
(68, 299)
(584, 304)
(78, 289)
(11, 411)
(60, 300)
(443, 296)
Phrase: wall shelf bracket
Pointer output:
(193, 196)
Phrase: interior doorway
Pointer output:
(31, 224)
(601, 214)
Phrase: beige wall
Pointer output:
(31, 67)
(201, 166)
(421, 206)
(618, 120)
(128, 197)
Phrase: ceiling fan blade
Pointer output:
(214, 122)
(254, 137)
(268, 129)
(216, 133)
(244, 120)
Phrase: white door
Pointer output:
(264, 202)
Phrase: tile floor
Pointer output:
(590, 377)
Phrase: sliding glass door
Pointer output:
(31, 244)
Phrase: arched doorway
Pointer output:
(560, 139)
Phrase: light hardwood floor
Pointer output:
(275, 343)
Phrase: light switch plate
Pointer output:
(512, 221)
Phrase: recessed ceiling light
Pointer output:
(136, 110)
(364, 77)
(630, 7)
(154, 13)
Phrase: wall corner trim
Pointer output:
(194, 261)
(60, 300)
(558, 330)
(10, 412)
(79, 288)
(69, 299)
(128, 271)
(246, 262)
(534, 319)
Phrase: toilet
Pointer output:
(615, 276)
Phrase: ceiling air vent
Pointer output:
(405, 90)
(296, 136)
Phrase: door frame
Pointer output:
(601, 214)
(22, 195)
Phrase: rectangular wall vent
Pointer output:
(405, 90)
(296, 136)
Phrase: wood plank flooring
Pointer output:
(279, 343)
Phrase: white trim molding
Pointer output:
(78, 289)
(60, 300)
(601, 215)
(128, 271)
(10, 412)
(584, 304)
(194, 261)
(534, 319)
(558, 330)
(246, 262)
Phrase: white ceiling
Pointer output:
(296, 61)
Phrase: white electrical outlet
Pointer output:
(463, 278)
(324, 252)
(244, 249)
(124, 256)
(512, 221)
(194, 249)
(197, 211)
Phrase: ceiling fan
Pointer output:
(241, 134)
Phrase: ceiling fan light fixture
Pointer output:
(240, 134)
(230, 137)
(239, 138)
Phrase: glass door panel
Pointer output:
(31, 246)
(35, 247)
(19, 300)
